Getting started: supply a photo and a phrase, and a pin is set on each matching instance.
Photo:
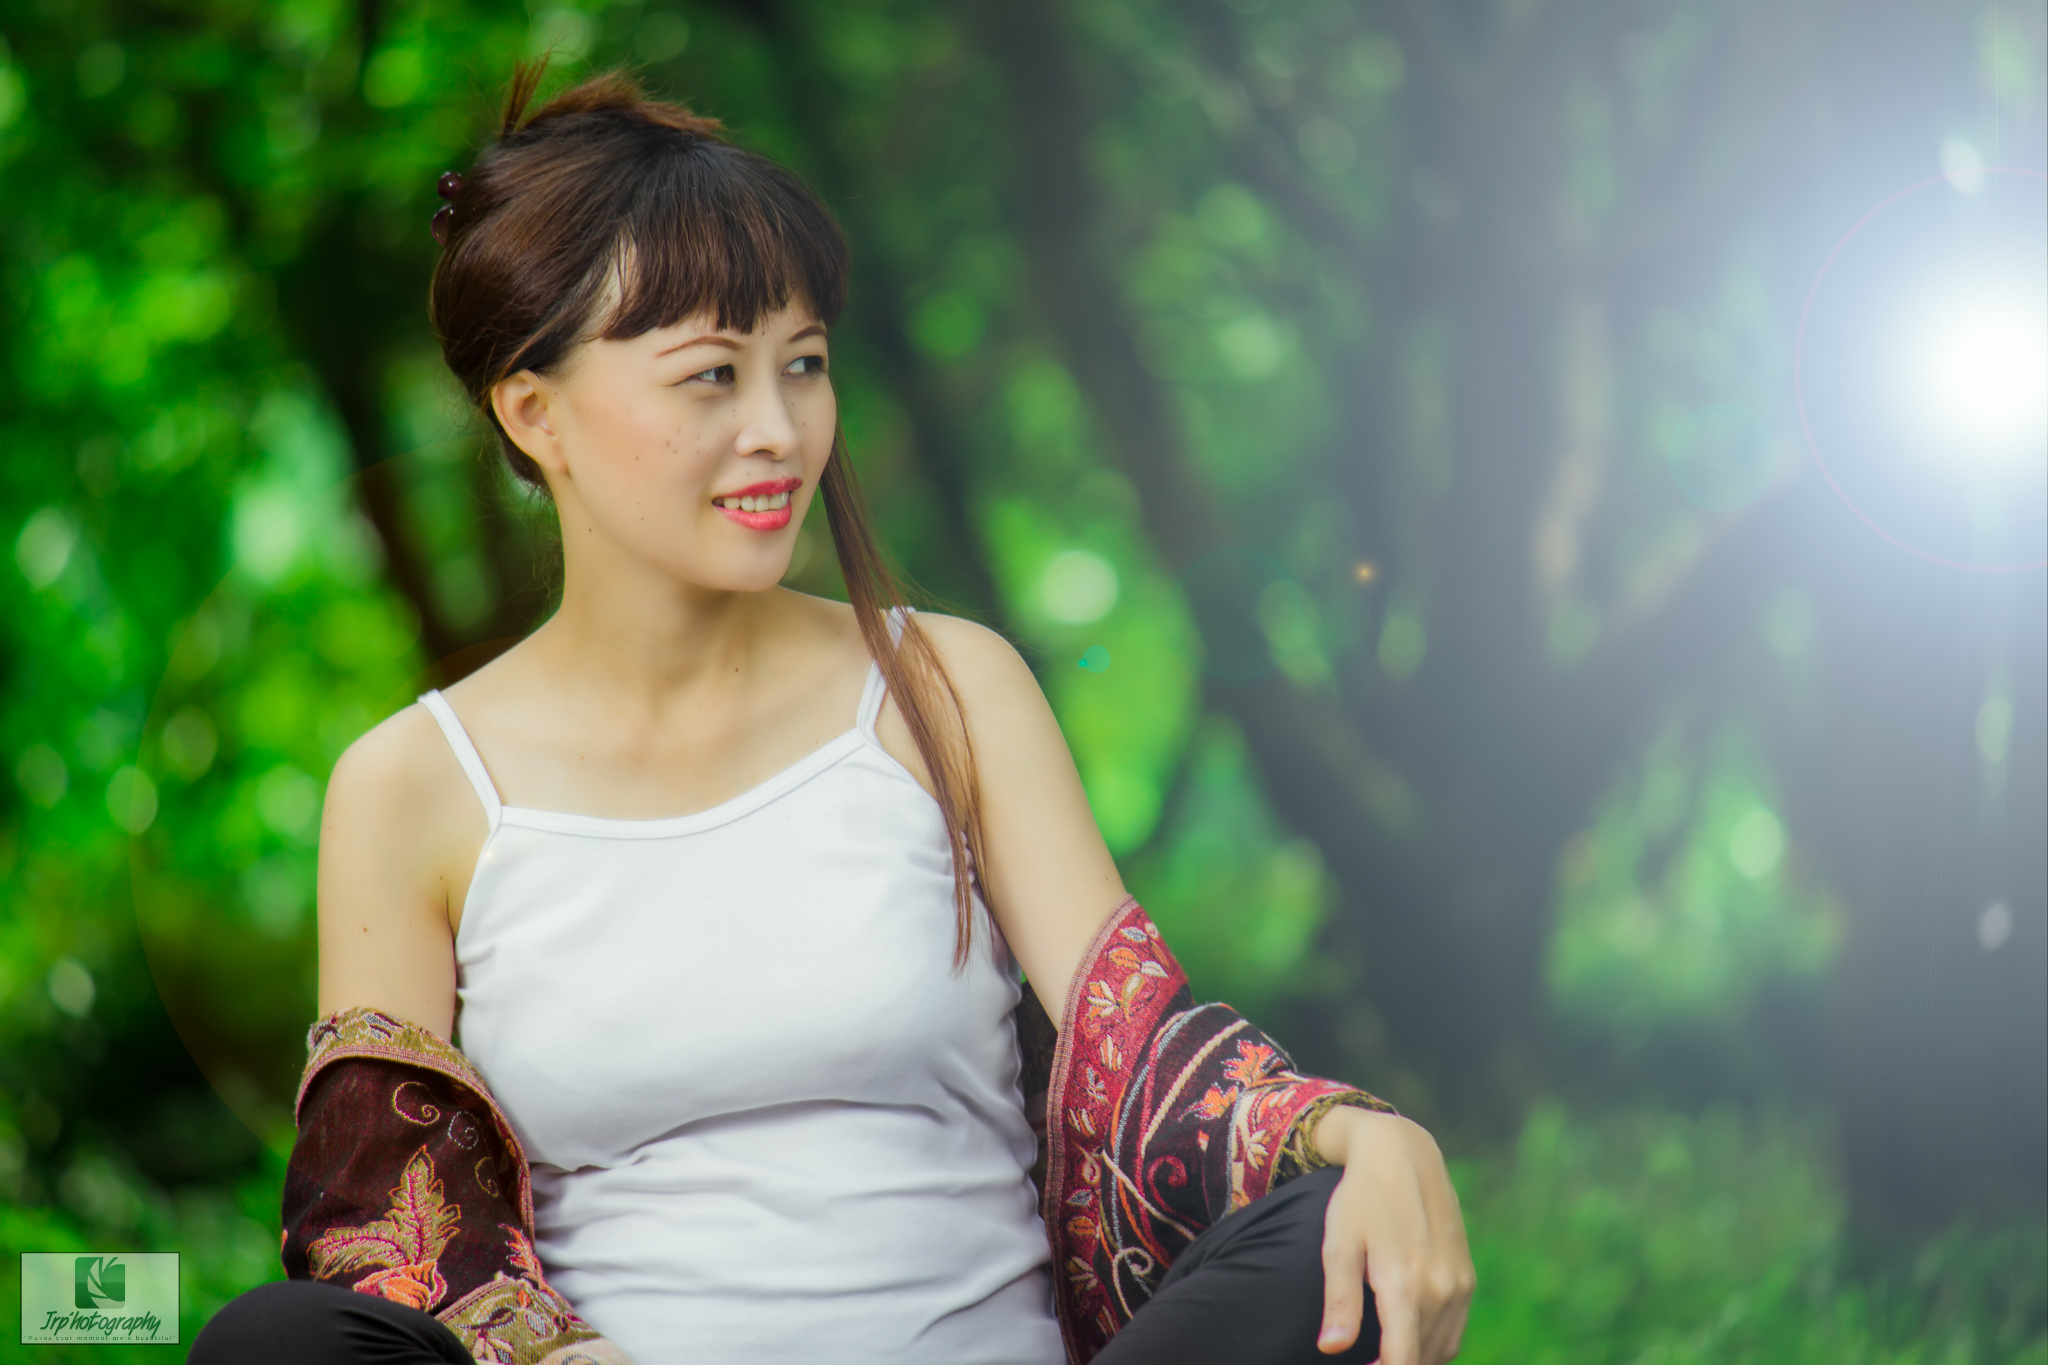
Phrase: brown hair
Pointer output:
(604, 185)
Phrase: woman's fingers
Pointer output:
(1450, 1278)
(1343, 1276)
(1397, 1340)
(1394, 1221)
(1402, 1315)
(1422, 1314)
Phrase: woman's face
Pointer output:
(694, 449)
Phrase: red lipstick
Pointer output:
(778, 493)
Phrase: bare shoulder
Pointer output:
(398, 822)
(401, 771)
(389, 752)
(985, 668)
(994, 686)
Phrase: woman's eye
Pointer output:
(717, 374)
(807, 364)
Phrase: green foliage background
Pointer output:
(1259, 368)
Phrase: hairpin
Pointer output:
(449, 185)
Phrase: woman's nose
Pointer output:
(767, 426)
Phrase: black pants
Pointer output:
(1249, 1291)
(311, 1322)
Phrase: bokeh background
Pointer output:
(1376, 420)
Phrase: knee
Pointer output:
(1293, 1214)
(1280, 1240)
(1310, 1187)
(1280, 1235)
(1297, 1238)
(266, 1322)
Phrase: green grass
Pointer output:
(1657, 1239)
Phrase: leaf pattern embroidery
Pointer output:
(407, 1241)
(1252, 1062)
(421, 1249)
(1174, 1114)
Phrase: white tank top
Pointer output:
(767, 1119)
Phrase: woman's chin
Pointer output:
(757, 575)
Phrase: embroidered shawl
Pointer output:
(1157, 1117)
(406, 1180)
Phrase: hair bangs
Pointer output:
(714, 230)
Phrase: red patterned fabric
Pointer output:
(1160, 1117)
(1163, 1116)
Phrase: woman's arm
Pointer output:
(398, 820)
(406, 1180)
(1051, 883)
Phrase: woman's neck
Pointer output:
(642, 642)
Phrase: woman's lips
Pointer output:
(761, 506)
(759, 521)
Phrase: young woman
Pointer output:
(725, 890)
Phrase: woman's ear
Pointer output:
(521, 404)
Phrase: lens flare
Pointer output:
(1985, 377)
(1920, 368)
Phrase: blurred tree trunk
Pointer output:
(1460, 913)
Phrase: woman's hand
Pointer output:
(1393, 1222)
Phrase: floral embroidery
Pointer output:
(507, 1321)
(408, 1241)
(367, 1033)
(1175, 1114)
(1253, 1060)
(519, 1250)
(454, 1237)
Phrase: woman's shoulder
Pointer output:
(969, 642)
(984, 667)
(978, 661)
(1000, 705)
(400, 781)
(949, 633)
(403, 755)
(398, 823)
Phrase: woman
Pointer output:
(726, 889)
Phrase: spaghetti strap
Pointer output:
(871, 703)
(465, 753)
(877, 689)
